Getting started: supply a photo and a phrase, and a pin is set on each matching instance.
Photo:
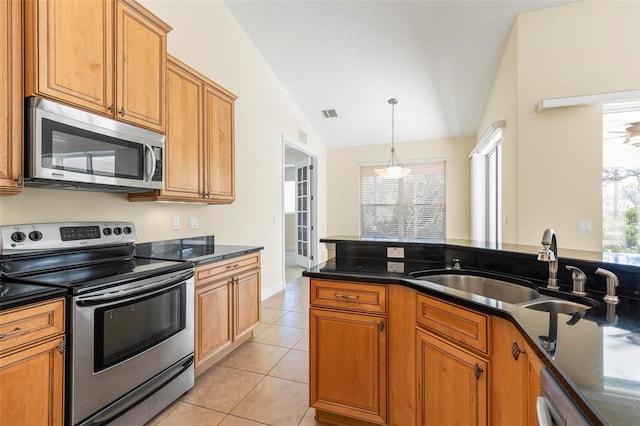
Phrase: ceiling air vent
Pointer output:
(329, 113)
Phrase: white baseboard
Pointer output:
(267, 292)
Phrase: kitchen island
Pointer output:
(594, 355)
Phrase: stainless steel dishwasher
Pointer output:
(554, 406)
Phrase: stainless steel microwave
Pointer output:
(70, 148)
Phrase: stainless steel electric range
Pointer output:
(129, 320)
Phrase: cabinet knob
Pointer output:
(111, 108)
(62, 347)
(477, 371)
(381, 326)
(20, 181)
(516, 351)
(122, 112)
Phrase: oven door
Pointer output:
(124, 336)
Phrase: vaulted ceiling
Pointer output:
(438, 58)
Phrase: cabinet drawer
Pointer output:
(352, 296)
(462, 325)
(35, 322)
(227, 266)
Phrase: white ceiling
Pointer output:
(438, 58)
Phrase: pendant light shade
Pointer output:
(394, 169)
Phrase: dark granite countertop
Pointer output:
(199, 250)
(597, 357)
(15, 294)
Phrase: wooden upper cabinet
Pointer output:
(11, 104)
(219, 144)
(200, 144)
(183, 172)
(105, 56)
(141, 57)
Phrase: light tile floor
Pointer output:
(263, 382)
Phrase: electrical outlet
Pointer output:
(395, 252)
(395, 267)
(193, 223)
(176, 223)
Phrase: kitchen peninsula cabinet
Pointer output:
(348, 351)
(452, 365)
(32, 364)
(516, 377)
(227, 307)
(11, 104)
(105, 56)
(200, 140)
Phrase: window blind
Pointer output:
(413, 206)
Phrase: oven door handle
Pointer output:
(130, 293)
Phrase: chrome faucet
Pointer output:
(549, 254)
(579, 278)
(612, 283)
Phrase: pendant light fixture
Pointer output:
(394, 169)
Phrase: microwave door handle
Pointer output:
(151, 166)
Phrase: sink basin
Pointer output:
(484, 286)
(559, 306)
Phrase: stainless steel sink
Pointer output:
(558, 306)
(484, 286)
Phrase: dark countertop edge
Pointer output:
(241, 250)
(463, 299)
(41, 296)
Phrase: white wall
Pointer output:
(555, 166)
(207, 37)
(343, 181)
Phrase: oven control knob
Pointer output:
(35, 235)
(18, 236)
(106, 232)
(127, 230)
(117, 230)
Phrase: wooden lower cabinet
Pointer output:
(348, 359)
(32, 357)
(451, 383)
(227, 307)
(515, 377)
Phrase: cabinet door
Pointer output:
(348, 364)
(219, 146)
(452, 384)
(509, 366)
(184, 134)
(246, 295)
(213, 322)
(11, 104)
(534, 364)
(69, 52)
(141, 59)
(32, 384)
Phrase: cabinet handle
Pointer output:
(381, 326)
(516, 351)
(11, 333)
(233, 266)
(112, 108)
(122, 112)
(62, 347)
(345, 296)
(477, 371)
(20, 181)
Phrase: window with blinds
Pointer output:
(413, 206)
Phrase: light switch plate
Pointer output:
(584, 226)
(395, 252)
